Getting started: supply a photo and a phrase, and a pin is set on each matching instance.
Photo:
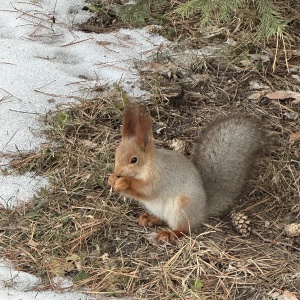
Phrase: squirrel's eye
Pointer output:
(133, 160)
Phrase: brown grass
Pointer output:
(77, 228)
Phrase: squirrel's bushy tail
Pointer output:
(224, 155)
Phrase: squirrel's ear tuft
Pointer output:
(131, 118)
(137, 123)
(144, 129)
(145, 122)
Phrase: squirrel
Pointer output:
(178, 191)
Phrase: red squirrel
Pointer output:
(178, 191)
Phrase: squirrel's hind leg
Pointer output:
(174, 234)
(163, 236)
(146, 219)
(169, 235)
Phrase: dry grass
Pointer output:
(78, 228)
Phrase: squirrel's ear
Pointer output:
(131, 116)
(144, 130)
(137, 123)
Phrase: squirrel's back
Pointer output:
(224, 154)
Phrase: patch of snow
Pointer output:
(20, 285)
(23, 187)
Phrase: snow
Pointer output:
(42, 64)
(20, 285)
(22, 187)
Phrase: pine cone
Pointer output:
(292, 229)
(241, 223)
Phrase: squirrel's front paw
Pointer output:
(121, 184)
(112, 179)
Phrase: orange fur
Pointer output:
(137, 123)
(150, 220)
(131, 187)
(184, 227)
(183, 201)
(131, 116)
(144, 130)
(174, 234)
(169, 235)
(122, 184)
(128, 185)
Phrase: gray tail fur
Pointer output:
(225, 154)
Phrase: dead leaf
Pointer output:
(177, 145)
(73, 257)
(289, 295)
(296, 101)
(154, 28)
(296, 77)
(32, 243)
(281, 95)
(166, 69)
(256, 95)
(153, 67)
(262, 57)
(55, 266)
(88, 144)
(200, 78)
(291, 115)
(275, 295)
(105, 256)
(296, 52)
(231, 42)
(78, 265)
(257, 85)
(151, 238)
(294, 137)
(292, 230)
